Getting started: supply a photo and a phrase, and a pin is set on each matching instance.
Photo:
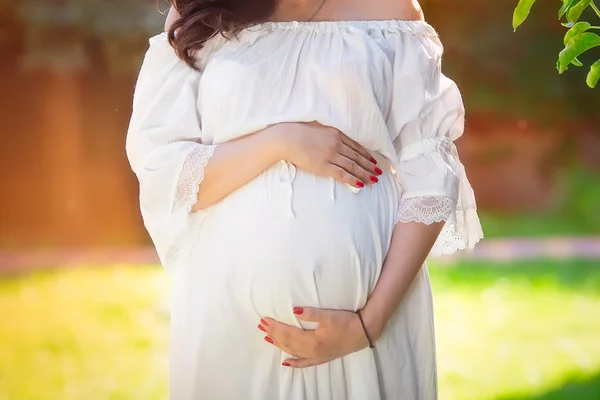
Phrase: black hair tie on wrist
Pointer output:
(371, 345)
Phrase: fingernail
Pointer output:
(374, 179)
(286, 364)
(378, 171)
(360, 184)
(261, 328)
(268, 339)
(262, 321)
(373, 160)
(298, 311)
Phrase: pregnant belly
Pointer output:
(285, 240)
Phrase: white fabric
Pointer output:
(290, 238)
(164, 149)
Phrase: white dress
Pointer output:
(290, 238)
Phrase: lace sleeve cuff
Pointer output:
(188, 186)
(461, 231)
(192, 174)
(427, 210)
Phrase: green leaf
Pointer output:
(522, 12)
(565, 7)
(594, 74)
(576, 62)
(578, 28)
(576, 46)
(575, 12)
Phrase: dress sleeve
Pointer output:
(433, 183)
(164, 149)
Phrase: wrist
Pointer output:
(374, 321)
(279, 137)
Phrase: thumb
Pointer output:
(309, 314)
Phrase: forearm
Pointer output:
(236, 163)
(410, 245)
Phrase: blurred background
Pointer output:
(83, 303)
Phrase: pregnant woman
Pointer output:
(297, 166)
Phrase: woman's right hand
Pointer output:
(326, 151)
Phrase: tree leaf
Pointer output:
(576, 46)
(565, 7)
(522, 12)
(594, 74)
(576, 62)
(575, 12)
(575, 30)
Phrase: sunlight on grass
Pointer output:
(519, 332)
(85, 334)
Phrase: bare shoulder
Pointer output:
(387, 9)
(403, 9)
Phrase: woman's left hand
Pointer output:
(339, 333)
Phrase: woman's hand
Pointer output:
(326, 151)
(339, 333)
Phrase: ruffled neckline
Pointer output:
(249, 35)
(405, 26)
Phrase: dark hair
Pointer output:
(202, 19)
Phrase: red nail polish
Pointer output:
(378, 171)
(373, 160)
(268, 339)
(360, 184)
(261, 328)
(262, 321)
(286, 364)
(298, 311)
(374, 179)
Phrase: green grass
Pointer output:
(85, 334)
(519, 331)
(524, 331)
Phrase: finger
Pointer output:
(362, 162)
(303, 362)
(281, 347)
(360, 149)
(275, 343)
(311, 314)
(272, 341)
(341, 175)
(295, 341)
(352, 168)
